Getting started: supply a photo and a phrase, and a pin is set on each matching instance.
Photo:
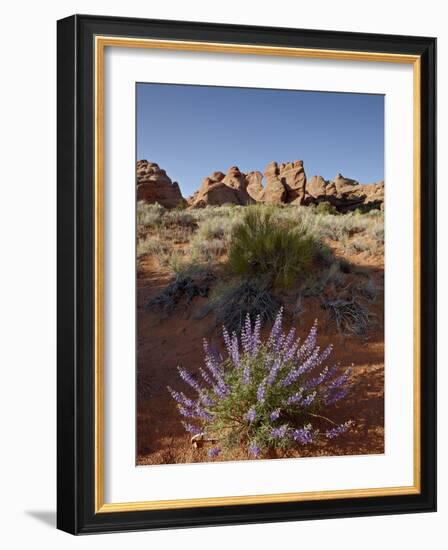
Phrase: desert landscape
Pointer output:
(251, 262)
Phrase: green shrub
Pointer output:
(216, 228)
(181, 218)
(207, 250)
(175, 260)
(326, 208)
(150, 245)
(262, 245)
(150, 214)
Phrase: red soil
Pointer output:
(165, 343)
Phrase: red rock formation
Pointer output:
(285, 183)
(344, 193)
(153, 185)
(254, 186)
(219, 188)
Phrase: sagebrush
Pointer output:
(263, 245)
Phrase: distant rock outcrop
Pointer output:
(219, 188)
(254, 186)
(345, 194)
(153, 185)
(285, 183)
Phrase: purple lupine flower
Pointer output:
(251, 414)
(340, 380)
(306, 401)
(309, 343)
(227, 341)
(261, 392)
(336, 396)
(291, 352)
(325, 375)
(235, 351)
(206, 400)
(337, 389)
(288, 341)
(203, 415)
(276, 365)
(187, 413)
(194, 410)
(278, 343)
(181, 398)
(256, 336)
(274, 415)
(280, 432)
(246, 335)
(308, 365)
(211, 362)
(254, 450)
(304, 435)
(205, 376)
(190, 428)
(246, 374)
(188, 378)
(276, 329)
(324, 355)
(220, 388)
(221, 391)
(214, 452)
(342, 428)
(295, 398)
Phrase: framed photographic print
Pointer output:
(246, 274)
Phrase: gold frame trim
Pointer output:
(101, 42)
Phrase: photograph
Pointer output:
(246, 323)
(260, 257)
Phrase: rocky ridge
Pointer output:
(284, 183)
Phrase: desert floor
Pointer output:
(166, 340)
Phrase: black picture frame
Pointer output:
(76, 263)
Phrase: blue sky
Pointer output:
(192, 131)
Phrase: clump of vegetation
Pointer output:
(237, 301)
(187, 286)
(316, 282)
(326, 207)
(358, 245)
(324, 256)
(149, 214)
(264, 396)
(150, 245)
(369, 290)
(207, 250)
(350, 316)
(263, 246)
(175, 260)
(218, 227)
(182, 205)
(180, 218)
